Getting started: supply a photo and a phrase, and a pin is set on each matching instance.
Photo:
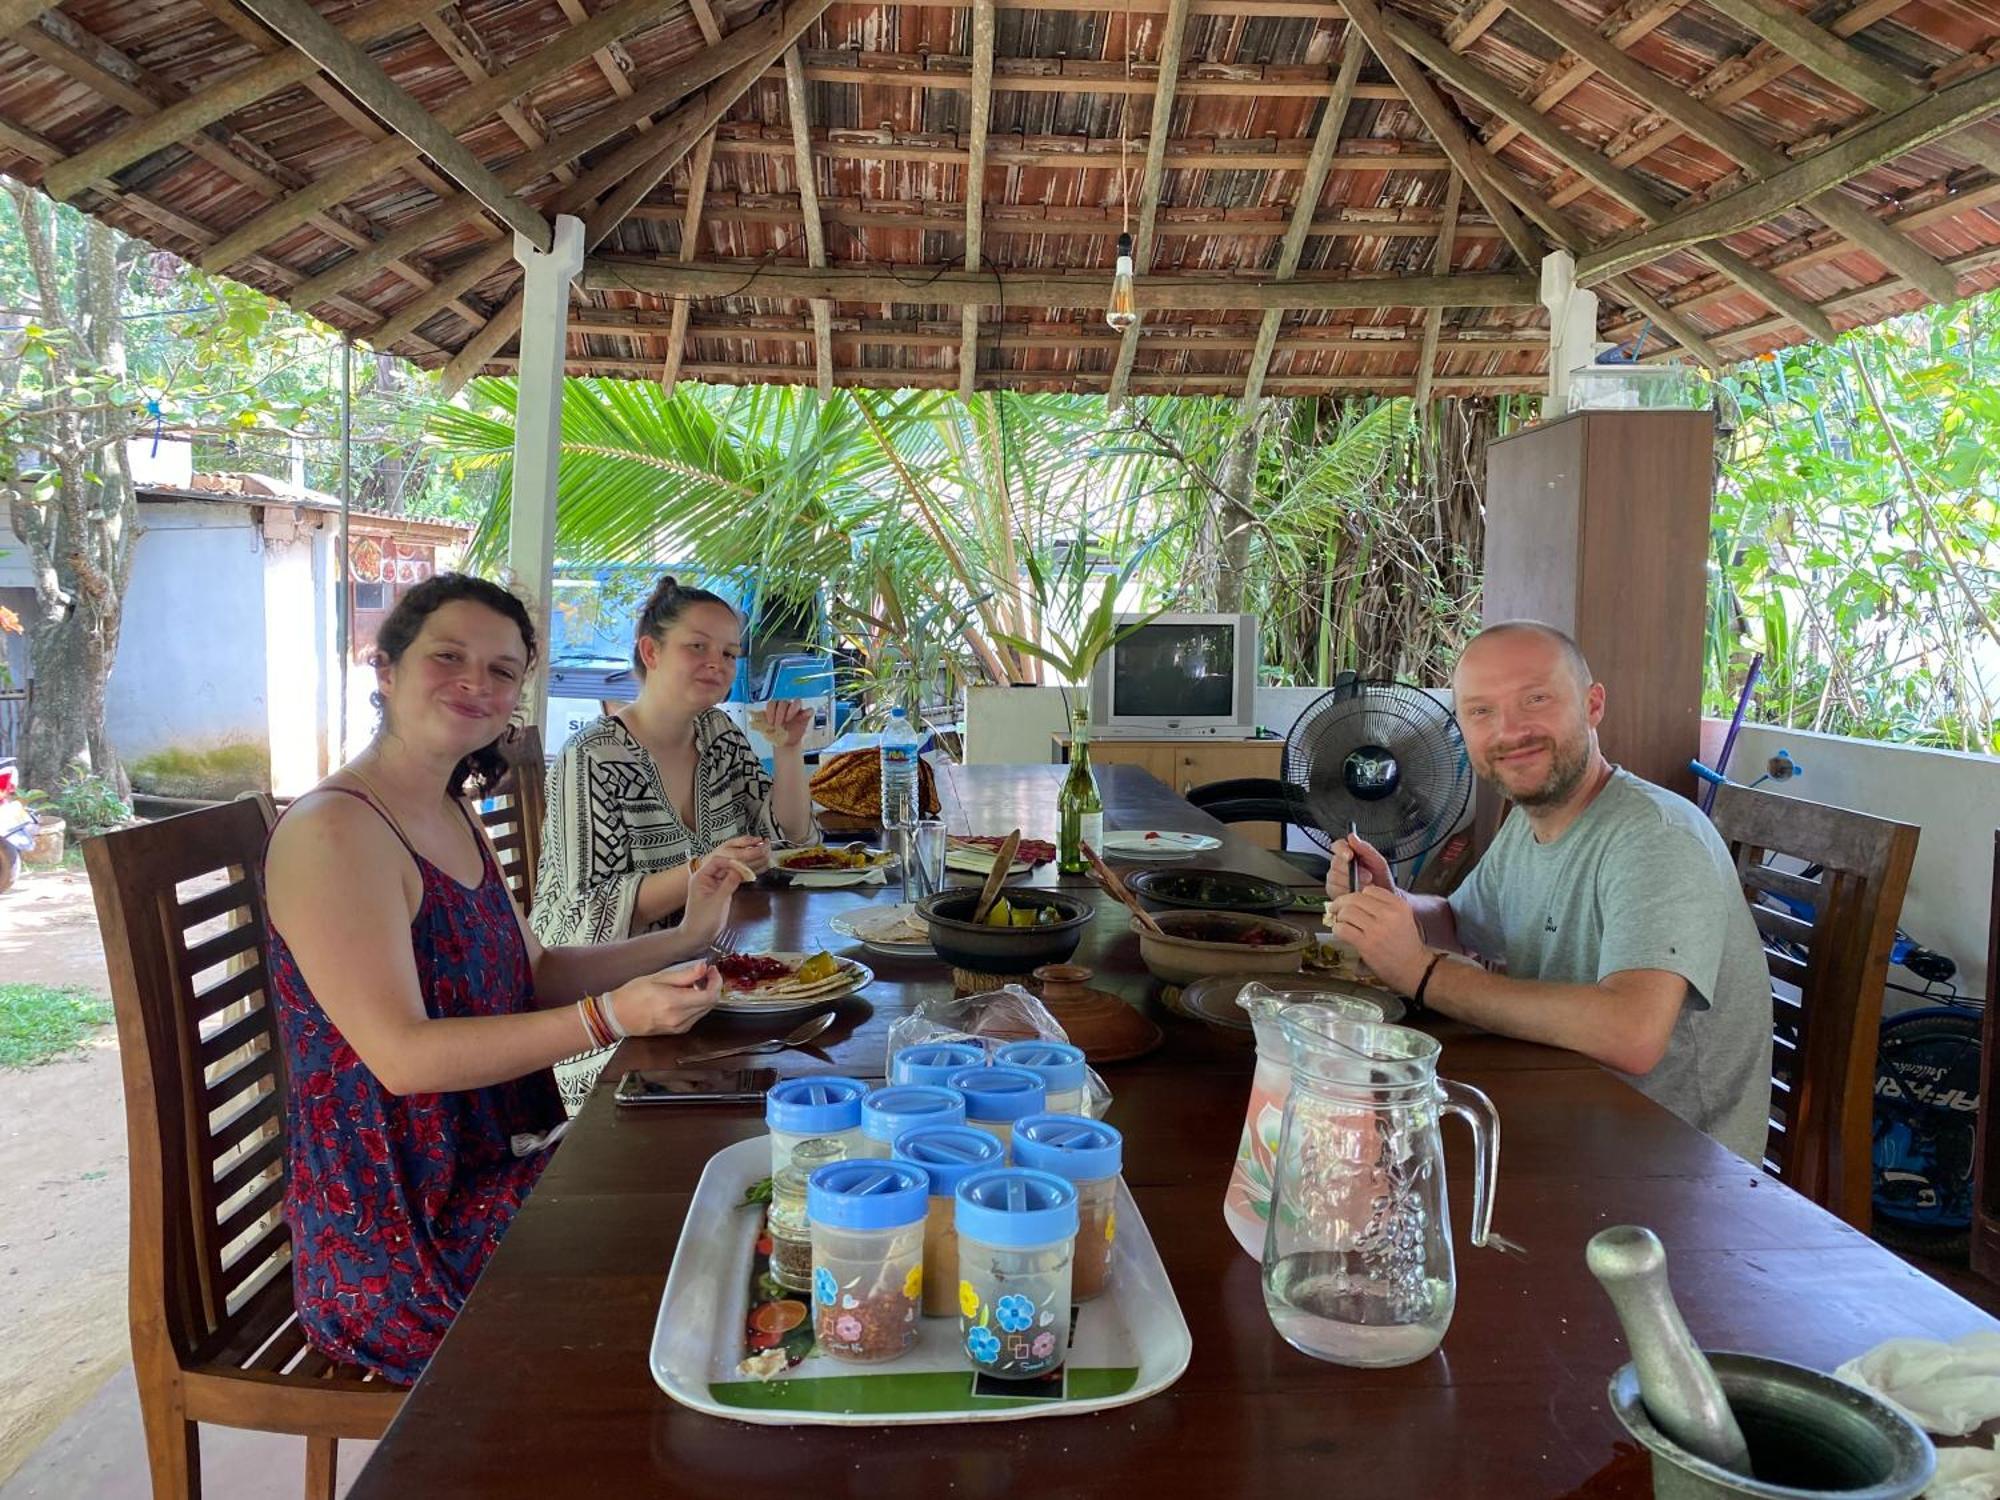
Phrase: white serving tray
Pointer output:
(1130, 1343)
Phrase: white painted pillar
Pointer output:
(531, 530)
(1572, 327)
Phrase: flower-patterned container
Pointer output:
(1016, 1238)
(868, 1257)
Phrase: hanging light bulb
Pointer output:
(1122, 311)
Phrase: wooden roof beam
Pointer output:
(1196, 154)
(1434, 318)
(1067, 75)
(1884, 139)
(1680, 329)
(698, 169)
(808, 176)
(984, 25)
(1159, 125)
(953, 286)
(1472, 163)
(221, 98)
(358, 73)
(1305, 207)
(460, 43)
(1676, 104)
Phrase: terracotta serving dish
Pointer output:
(1194, 944)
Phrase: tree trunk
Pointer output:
(1238, 479)
(69, 698)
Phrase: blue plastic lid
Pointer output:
(1060, 1065)
(887, 1113)
(935, 1062)
(1014, 1208)
(867, 1194)
(950, 1154)
(825, 1105)
(999, 1093)
(1069, 1146)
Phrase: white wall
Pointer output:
(1953, 798)
(294, 668)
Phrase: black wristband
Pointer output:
(1417, 1006)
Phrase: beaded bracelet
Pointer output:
(590, 1041)
(1417, 1006)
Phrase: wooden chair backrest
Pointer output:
(180, 903)
(1986, 1153)
(515, 810)
(1828, 971)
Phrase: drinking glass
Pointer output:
(923, 858)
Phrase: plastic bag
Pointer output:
(990, 1021)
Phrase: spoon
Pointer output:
(800, 1035)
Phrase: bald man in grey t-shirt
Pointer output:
(1613, 902)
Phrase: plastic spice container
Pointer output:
(996, 1097)
(948, 1154)
(791, 1229)
(1015, 1233)
(868, 1256)
(800, 1108)
(1060, 1067)
(889, 1113)
(934, 1062)
(1088, 1154)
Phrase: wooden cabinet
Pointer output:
(1185, 764)
(1598, 524)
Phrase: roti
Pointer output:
(751, 976)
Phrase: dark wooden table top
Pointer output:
(543, 1385)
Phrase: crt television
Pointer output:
(1178, 674)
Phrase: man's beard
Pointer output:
(1568, 764)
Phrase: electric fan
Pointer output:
(1384, 759)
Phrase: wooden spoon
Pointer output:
(996, 877)
(1108, 878)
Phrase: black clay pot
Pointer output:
(1004, 950)
(1208, 890)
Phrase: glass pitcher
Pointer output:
(1246, 1204)
(1357, 1258)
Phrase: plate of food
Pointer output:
(1155, 843)
(830, 865)
(759, 984)
(973, 854)
(894, 931)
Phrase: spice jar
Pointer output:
(1060, 1067)
(791, 1228)
(948, 1154)
(1088, 1154)
(934, 1062)
(800, 1108)
(996, 1097)
(888, 1113)
(1015, 1233)
(868, 1256)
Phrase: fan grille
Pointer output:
(1383, 758)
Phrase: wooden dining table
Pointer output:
(543, 1385)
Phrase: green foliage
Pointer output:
(88, 805)
(39, 1022)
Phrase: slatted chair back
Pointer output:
(1826, 886)
(515, 811)
(214, 1335)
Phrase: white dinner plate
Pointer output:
(976, 861)
(876, 873)
(854, 975)
(1156, 843)
(855, 925)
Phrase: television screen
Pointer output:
(1175, 671)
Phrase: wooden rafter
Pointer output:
(459, 113)
(952, 286)
(1443, 125)
(815, 227)
(984, 23)
(1029, 380)
(1159, 126)
(1434, 319)
(1305, 208)
(14, 14)
(458, 41)
(698, 168)
(1068, 75)
(1883, 139)
(1681, 329)
(1628, 23)
(1194, 154)
(354, 70)
(1690, 114)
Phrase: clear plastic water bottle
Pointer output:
(900, 742)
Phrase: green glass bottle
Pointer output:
(1079, 806)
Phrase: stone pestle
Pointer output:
(1676, 1381)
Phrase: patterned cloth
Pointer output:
(611, 824)
(395, 1202)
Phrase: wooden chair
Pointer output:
(1828, 971)
(214, 1334)
(1986, 1150)
(516, 809)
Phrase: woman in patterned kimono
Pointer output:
(638, 799)
(417, 1015)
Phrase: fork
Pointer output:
(724, 945)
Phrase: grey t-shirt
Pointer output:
(1641, 881)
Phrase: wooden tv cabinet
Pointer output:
(1185, 764)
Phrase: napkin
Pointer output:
(1947, 1389)
(1966, 1474)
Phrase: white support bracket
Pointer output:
(1572, 327)
(531, 528)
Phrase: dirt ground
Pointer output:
(62, 1181)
